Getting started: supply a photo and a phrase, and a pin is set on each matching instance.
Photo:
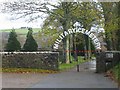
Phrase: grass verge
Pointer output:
(26, 70)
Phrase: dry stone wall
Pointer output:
(38, 60)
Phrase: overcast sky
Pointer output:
(7, 23)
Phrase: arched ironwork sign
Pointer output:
(91, 35)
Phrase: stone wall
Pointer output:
(38, 60)
(107, 60)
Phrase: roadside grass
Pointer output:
(65, 66)
(26, 70)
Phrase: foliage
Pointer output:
(110, 13)
(67, 13)
(13, 44)
(30, 44)
(47, 37)
(116, 72)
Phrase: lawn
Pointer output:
(65, 66)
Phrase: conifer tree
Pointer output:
(13, 44)
(30, 44)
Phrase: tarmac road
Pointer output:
(85, 78)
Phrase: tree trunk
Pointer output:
(70, 42)
(64, 50)
(67, 48)
(89, 49)
(85, 47)
(74, 48)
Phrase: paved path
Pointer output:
(86, 78)
(21, 80)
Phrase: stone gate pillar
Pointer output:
(100, 62)
(106, 60)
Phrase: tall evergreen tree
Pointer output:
(13, 44)
(30, 44)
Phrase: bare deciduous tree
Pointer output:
(31, 9)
